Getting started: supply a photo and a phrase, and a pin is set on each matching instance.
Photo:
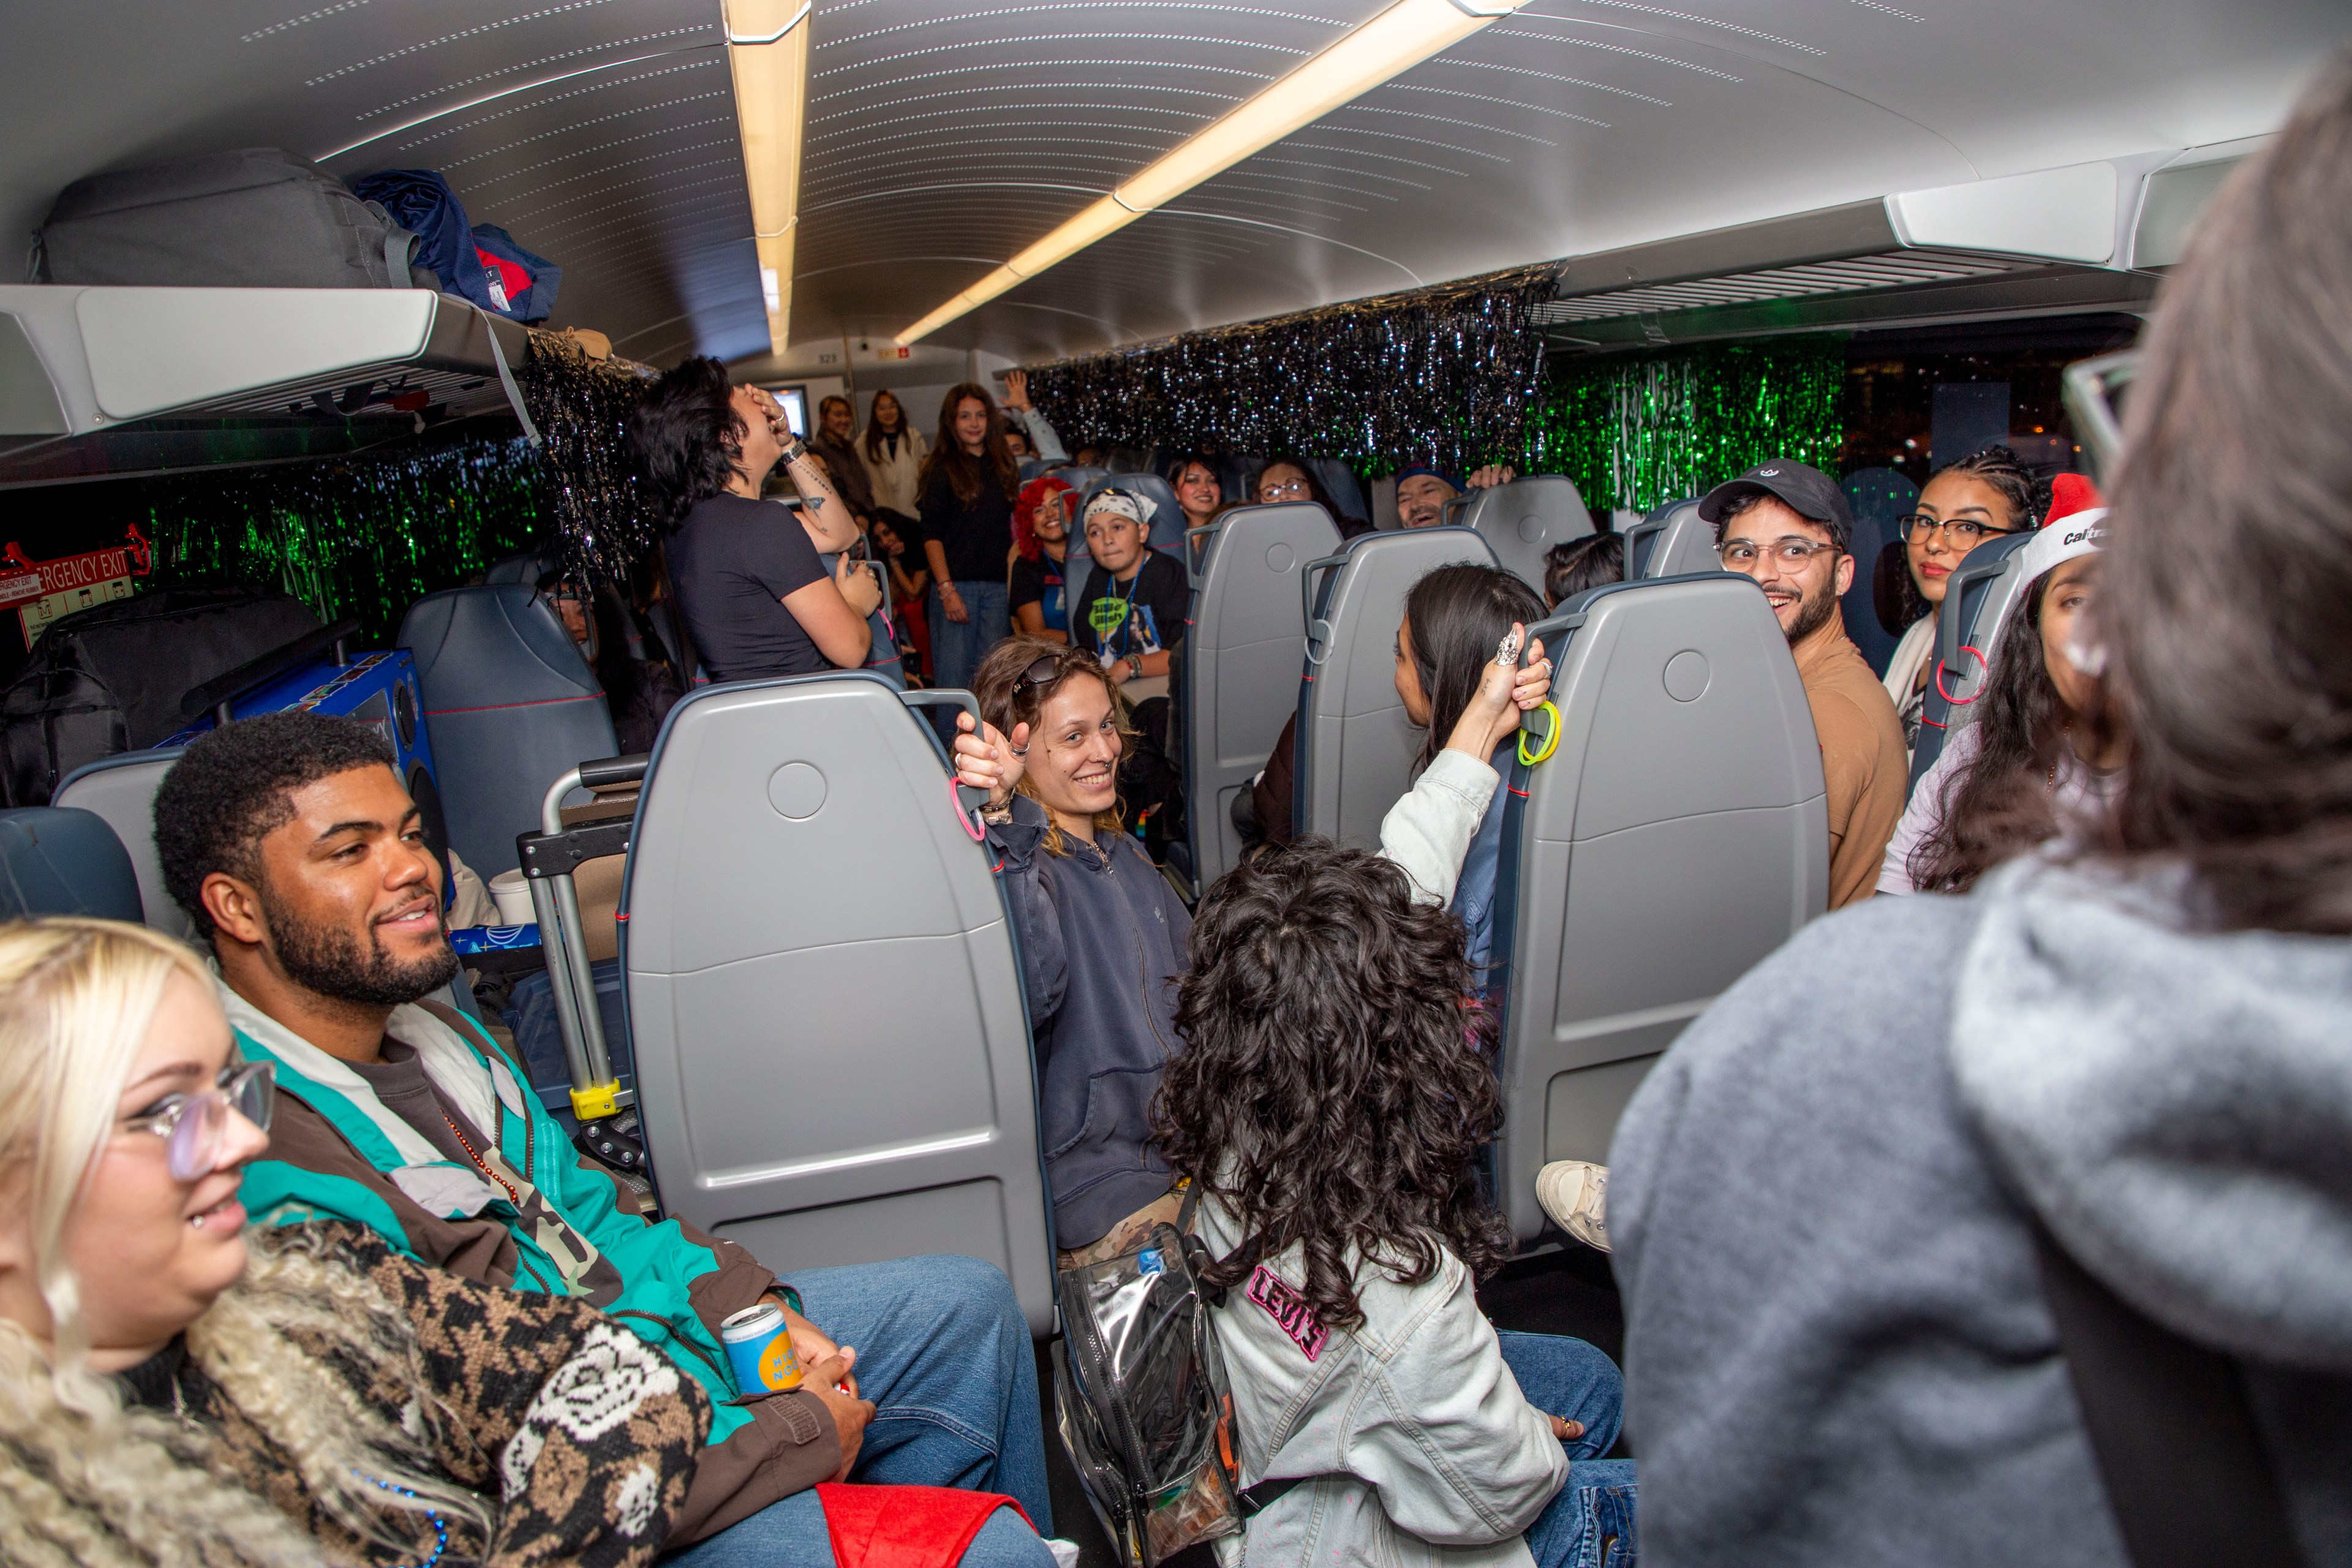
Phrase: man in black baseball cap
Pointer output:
(1787, 526)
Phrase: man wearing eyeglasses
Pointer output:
(1787, 526)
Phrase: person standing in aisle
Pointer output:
(893, 451)
(968, 485)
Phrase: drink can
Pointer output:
(759, 1350)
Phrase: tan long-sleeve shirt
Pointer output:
(1863, 758)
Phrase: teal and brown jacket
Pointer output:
(530, 1214)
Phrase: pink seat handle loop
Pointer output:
(1944, 692)
(967, 817)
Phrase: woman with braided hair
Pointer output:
(1983, 495)
(175, 1389)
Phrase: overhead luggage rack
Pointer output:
(107, 383)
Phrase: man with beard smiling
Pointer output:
(1787, 526)
(293, 846)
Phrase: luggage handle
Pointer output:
(547, 866)
(216, 696)
(610, 771)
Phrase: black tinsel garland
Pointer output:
(1443, 374)
(582, 406)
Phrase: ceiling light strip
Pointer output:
(1399, 39)
(767, 53)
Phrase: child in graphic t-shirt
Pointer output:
(1131, 614)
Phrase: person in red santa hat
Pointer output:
(2037, 759)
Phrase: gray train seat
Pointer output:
(1672, 541)
(1355, 745)
(1678, 835)
(1077, 476)
(1241, 666)
(527, 568)
(1526, 518)
(120, 790)
(510, 704)
(831, 1038)
(1977, 600)
(56, 860)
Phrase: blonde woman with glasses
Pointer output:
(176, 1388)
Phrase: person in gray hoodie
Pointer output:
(1838, 1345)
(1102, 933)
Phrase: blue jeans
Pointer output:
(943, 1353)
(957, 651)
(1590, 1523)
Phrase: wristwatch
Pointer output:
(795, 449)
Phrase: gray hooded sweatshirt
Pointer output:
(1837, 1350)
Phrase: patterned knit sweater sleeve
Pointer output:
(586, 1436)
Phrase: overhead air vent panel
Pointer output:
(1866, 264)
(1889, 269)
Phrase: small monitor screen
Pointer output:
(795, 404)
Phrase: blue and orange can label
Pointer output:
(759, 1350)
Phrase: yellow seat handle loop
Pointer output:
(1550, 740)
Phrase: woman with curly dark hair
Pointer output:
(1330, 1100)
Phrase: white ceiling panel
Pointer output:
(940, 141)
(600, 132)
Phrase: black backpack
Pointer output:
(110, 679)
(254, 218)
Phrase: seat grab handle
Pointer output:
(968, 799)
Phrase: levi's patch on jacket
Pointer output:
(1290, 1311)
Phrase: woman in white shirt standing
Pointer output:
(893, 450)
(1982, 495)
(1331, 1098)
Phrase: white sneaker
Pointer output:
(1575, 1194)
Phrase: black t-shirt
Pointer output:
(977, 536)
(1039, 582)
(1141, 615)
(733, 560)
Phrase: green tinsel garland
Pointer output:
(1443, 374)
(364, 537)
(369, 535)
(1639, 432)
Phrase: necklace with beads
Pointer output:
(440, 1525)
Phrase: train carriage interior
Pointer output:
(322, 393)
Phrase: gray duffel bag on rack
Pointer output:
(254, 219)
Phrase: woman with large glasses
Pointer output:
(1982, 495)
(176, 1388)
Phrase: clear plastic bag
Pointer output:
(1145, 1410)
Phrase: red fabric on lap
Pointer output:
(906, 1527)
